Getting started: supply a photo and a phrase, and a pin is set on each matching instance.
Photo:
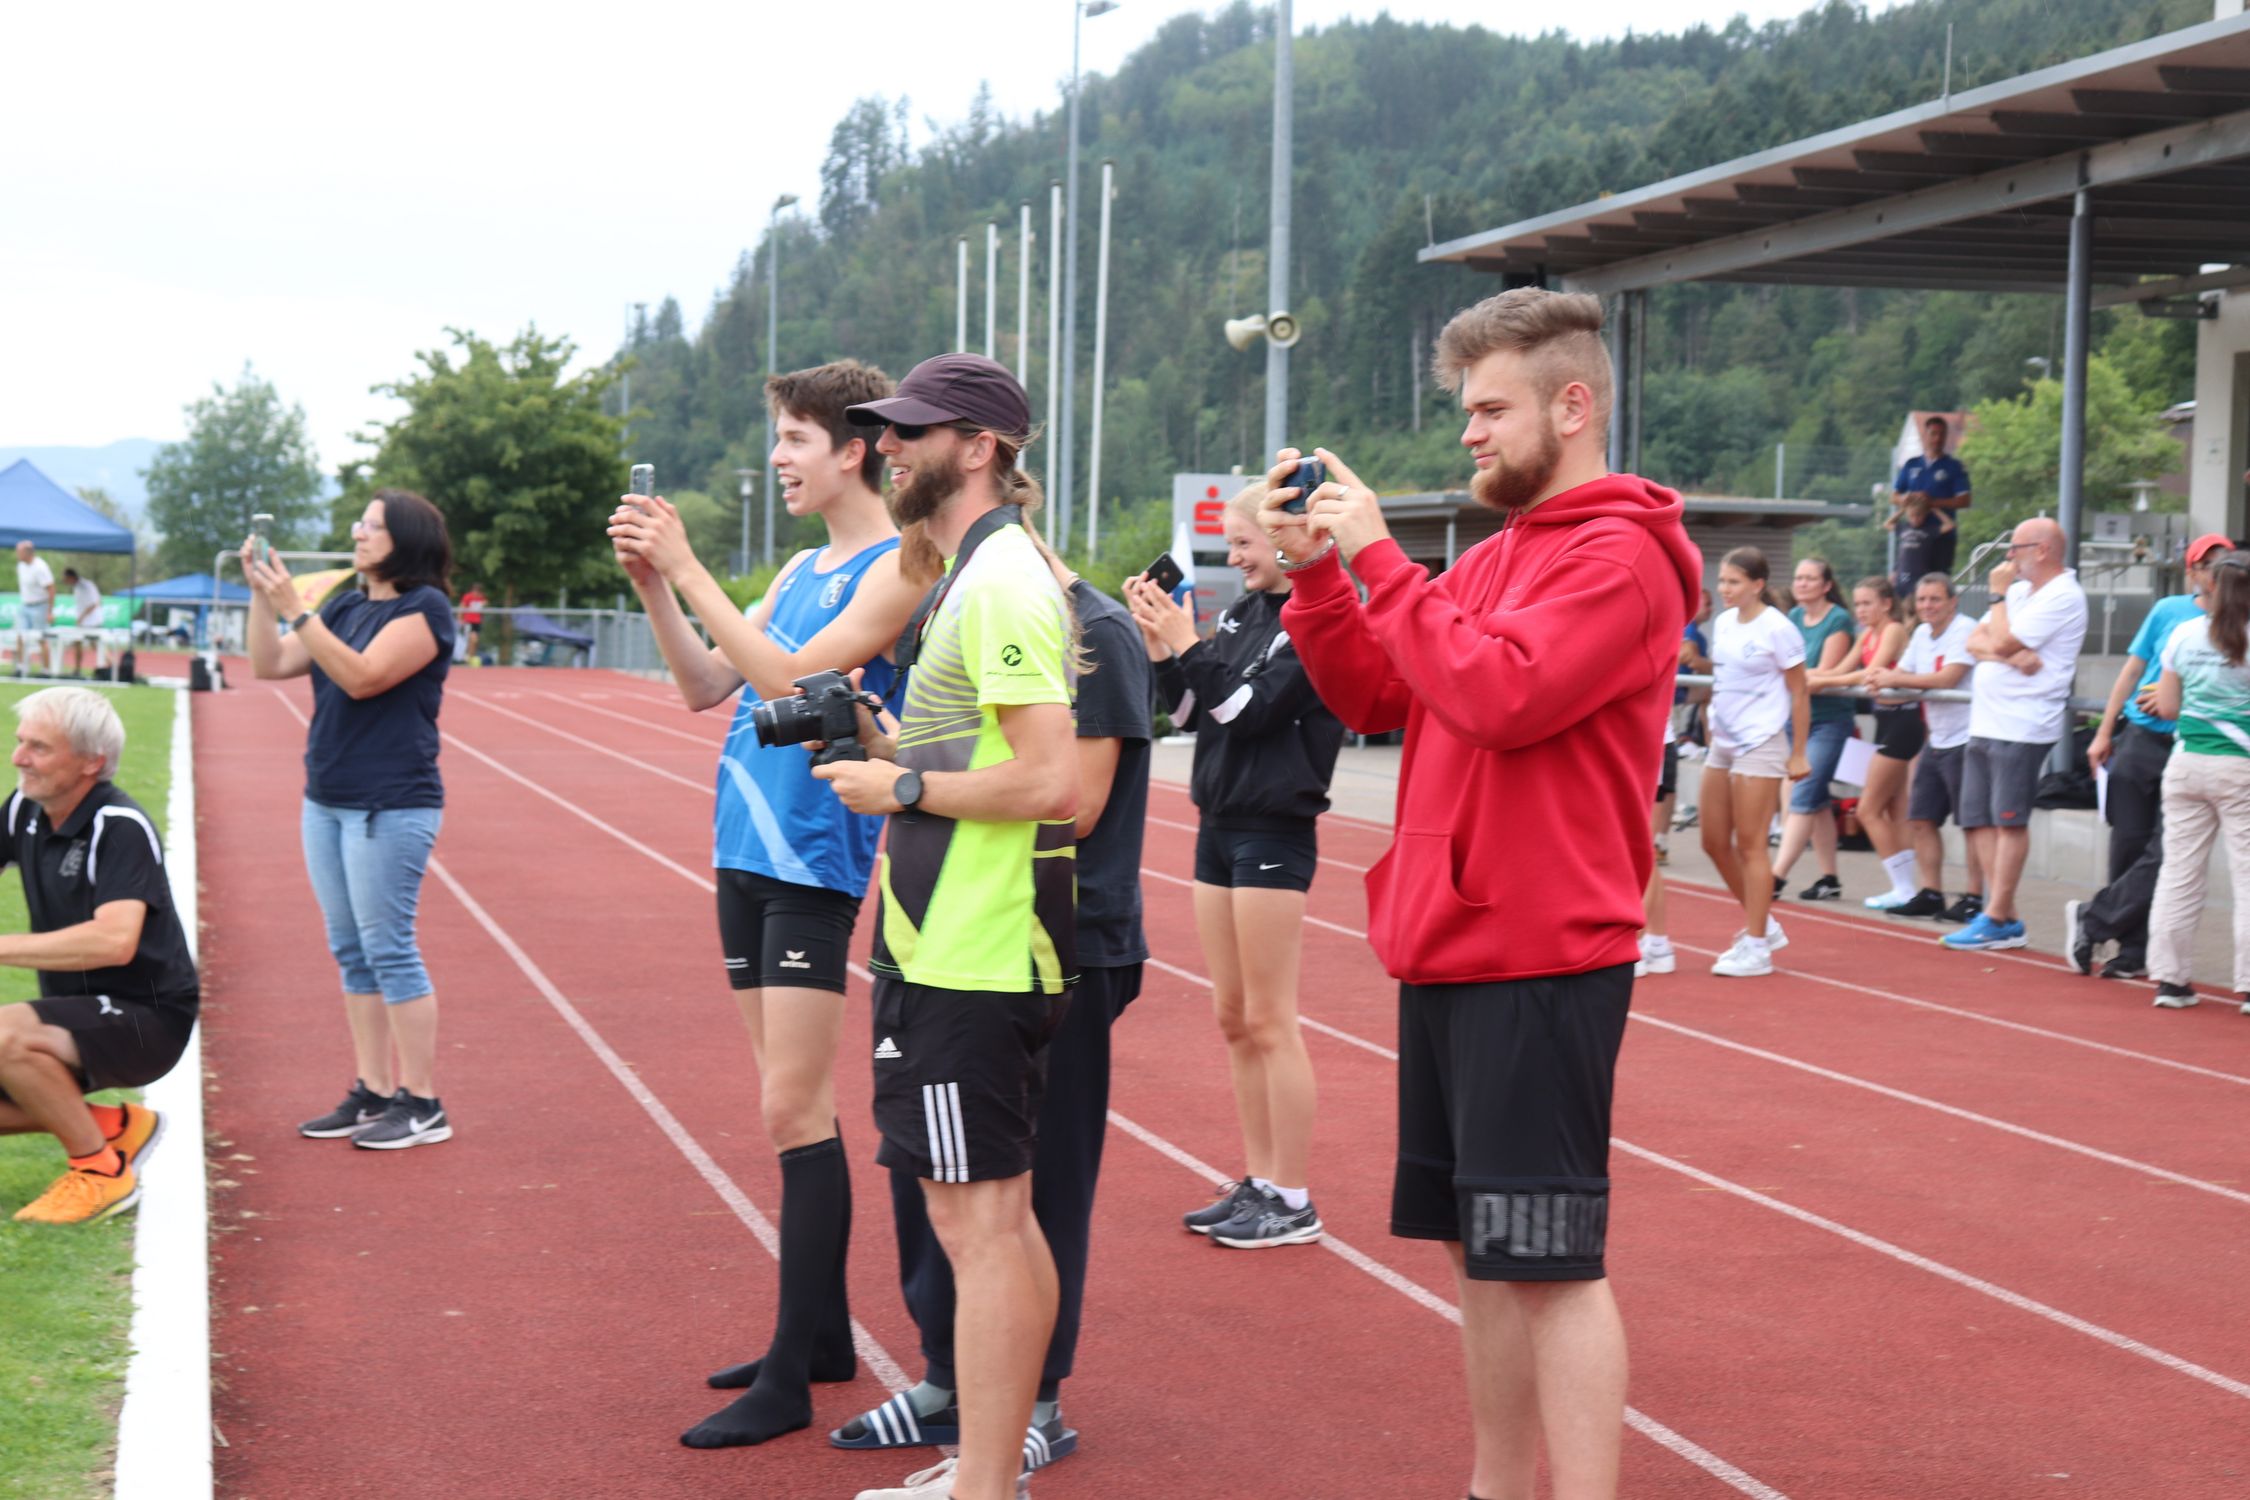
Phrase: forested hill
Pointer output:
(1403, 133)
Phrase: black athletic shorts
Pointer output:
(1899, 731)
(1279, 858)
(1668, 774)
(777, 934)
(122, 1044)
(1503, 1120)
(959, 1078)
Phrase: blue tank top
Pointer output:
(772, 817)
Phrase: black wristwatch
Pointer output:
(299, 622)
(908, 790)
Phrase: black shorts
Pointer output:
(1503, 1120)
(959, 1078)
(776, 935)
(1279, 859)
(1998, 780)
(122, 1044)
(1899, 731)
(1668, 774)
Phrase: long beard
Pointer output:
(933, 482)
(1507, 487)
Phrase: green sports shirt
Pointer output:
(974, 905)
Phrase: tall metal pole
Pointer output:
(1101, 344)
(1640, 380)
(2077, 312)
(961, 295)
(1620, 347)
(1054, 321)
(1277, 260)
(773, 361)
(1023, 300)
(991, 291)
(1070, 291)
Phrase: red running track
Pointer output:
(1899, 1222)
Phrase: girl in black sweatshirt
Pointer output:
(1265, 749)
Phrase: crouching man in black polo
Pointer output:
(117, 990)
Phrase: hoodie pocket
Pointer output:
(1416, 903)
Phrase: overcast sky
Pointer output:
(321, 190)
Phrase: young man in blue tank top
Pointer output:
(792, 862)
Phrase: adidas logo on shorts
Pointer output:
(886, 1048)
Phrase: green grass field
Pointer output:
(66, 1294)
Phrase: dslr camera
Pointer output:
(826, 709)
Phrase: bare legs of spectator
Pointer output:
(1004, 1312)
(1252, 940)
(1816, 828)
(1882, 805)
(394, 1045)
(1737, 810)
(1929, 858)
(1654, 918)
(36, 1060)
(2002, 853)
(1546, 1358)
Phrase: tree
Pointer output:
(520, 457)
(111, 573)
(245, 453)
(2014, 451)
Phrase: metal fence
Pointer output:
(619, 639)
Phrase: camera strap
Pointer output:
(909, 647)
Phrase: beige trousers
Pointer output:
(2205, 796)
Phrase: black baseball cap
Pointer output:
(952, 388)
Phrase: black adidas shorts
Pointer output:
(1503, 1120)
(959, 1078)
(1280, 858)
(122, 1044)
(777, 934)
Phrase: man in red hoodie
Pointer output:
(1532, 680)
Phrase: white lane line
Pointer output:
(2015, 1300)
(1958, 1113)
(1703, 1458)
(581, 814)
(1302, 1019)
(878, 1359)
(1311, 921)
(1360, 824)
(704, 740)
(2003, 1022)
(892, 1376)
(634, 761)
(1198, 828)
(164, 1422)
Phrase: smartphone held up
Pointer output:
(1311, 475)
(261, 537)
(643, 485)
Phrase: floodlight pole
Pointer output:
(1101, 344)
(991, 291)
(1277, 259)
(961, 295)
(1079, 11)
(773, 367)
(1023, 300)
(1054, 322)
(2077, 313)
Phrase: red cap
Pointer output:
(2210, 542)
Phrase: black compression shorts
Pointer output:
(1275, 859)
(775, 934)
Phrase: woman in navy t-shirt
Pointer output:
(377, 657)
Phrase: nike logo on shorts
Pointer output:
(1269, 867)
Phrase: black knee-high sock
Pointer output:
(834, 1359)
(815, 1229)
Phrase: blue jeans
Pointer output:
(366, 870)
(1824, 747)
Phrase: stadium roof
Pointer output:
(1973, 191)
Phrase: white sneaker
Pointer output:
(936, 1483)
(1776, 939)
(1747, 959)
(1888, 900)
(1655, 960)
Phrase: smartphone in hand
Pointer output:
(1165, 573)
(644, 483)
(261, 537)
(1311, 475)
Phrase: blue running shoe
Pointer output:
(1985, 933)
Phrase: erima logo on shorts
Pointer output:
(1011, 655)
(793, 959)
(886, 1048)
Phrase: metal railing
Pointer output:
(1900, 696)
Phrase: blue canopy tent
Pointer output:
(35, 509)
(196, 590)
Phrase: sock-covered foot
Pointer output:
(759, 1413)
(829, 1367)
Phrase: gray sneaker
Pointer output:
(409, 1121)
(361, 1108)
(1233, 1198)
(1266, 1221)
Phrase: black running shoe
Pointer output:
(1266, 1222)
(408, 1122)
(1923, 903)
(2177, 997)
(2124, 966)
(1827, 888)
(361, 1108)
(1233, 1198)
(1967, 909)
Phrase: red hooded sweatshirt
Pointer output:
(1532, 679)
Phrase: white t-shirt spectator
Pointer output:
(89, 597)
(1749, 694)
(1948, 722)
(2030, 708)
(35, 581)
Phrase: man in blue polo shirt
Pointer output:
(1930, 487)
(2135, 753)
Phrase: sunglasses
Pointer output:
(910, 432)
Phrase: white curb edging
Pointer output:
(164, 1429)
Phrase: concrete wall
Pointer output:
(2220, 451)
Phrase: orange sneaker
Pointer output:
(82, 1198)
(143, 1128)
